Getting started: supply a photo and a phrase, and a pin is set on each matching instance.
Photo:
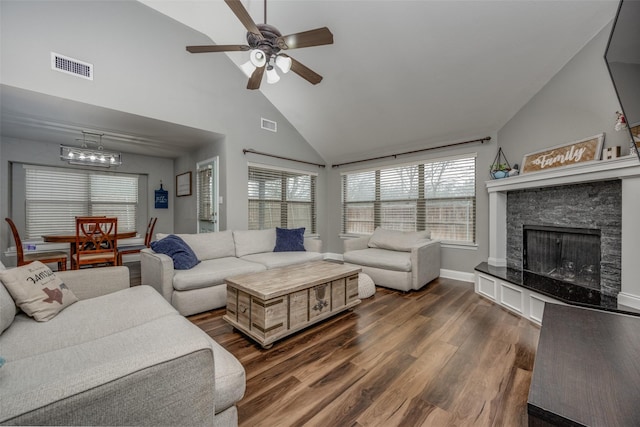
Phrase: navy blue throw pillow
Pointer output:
(289, 240)
(181, 253)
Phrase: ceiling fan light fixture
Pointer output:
(284, 63)
(257, 58)
(272, 75)
(248, 68)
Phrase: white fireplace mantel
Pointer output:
(627, 169)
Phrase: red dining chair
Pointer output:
(96, 242)
(133, 249)
(45, 257)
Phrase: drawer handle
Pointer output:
(243, 308)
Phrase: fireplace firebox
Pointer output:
(567, 254)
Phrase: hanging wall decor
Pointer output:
(162, 198)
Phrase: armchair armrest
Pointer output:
(355, 244)
(425, 262)
(95, 282)
(312, 244)
(157, 271)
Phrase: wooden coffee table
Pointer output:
(273, 304)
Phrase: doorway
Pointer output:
(207, 191)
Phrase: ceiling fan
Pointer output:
(265, 44)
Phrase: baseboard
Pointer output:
(628, 300)
(458, 275)
(333, 257)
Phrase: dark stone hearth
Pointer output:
(594, 205)
(562, 291)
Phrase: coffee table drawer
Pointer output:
(244, 309)
(232, 303)
(319, 300)
(268, 318)
(338, 293)
(352, 288)
(298, 308)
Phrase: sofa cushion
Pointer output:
(254, 241)
(180, 252)
(209, 245)
(37, 290)
(380, 258)
(39, 380)
(282, 259)
(397, 240)
(213, 272)
(78, 323)
(7, 309)
(289, 239)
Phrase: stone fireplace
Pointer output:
(579, 214)
(593, 206)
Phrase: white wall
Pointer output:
(578, 102)
(142, 67)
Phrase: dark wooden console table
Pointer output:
(587, 369)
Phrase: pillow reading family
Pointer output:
(37, 290)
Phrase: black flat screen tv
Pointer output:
(623, 61)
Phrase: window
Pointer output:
(281, 198)
(439, 196)
(54, 197)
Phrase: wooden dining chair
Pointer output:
(96, 242)
(133, 249)
(45, 257)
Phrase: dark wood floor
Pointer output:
(438, 357)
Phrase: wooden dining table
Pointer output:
(71, 238)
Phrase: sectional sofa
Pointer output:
(222, 254)
(118, 356)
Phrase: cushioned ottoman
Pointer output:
(366, 287)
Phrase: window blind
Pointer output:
(281, 198)
(54, 197)
(438, 196)
(205, 183)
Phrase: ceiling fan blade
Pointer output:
(305, 72)
(218, 48)
(317, 37)
(244, 17)
(256, 78)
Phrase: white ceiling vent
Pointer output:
(71, 66)
(269, 125)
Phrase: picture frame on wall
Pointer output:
(183, 184)
(565, 155)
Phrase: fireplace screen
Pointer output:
(567, 254)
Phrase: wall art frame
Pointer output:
(183, 184)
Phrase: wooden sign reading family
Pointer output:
(577, 152)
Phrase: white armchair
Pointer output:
(396, 259)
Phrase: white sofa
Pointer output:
(222, 254)
(399, 260)
(118, 356)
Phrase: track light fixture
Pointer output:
(84, 155)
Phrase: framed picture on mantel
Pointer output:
(183, 184)
(585, 150)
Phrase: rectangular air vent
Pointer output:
(71, 66)
(269, 125)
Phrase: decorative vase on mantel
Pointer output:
(500, 168)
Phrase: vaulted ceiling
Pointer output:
(407, 74)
